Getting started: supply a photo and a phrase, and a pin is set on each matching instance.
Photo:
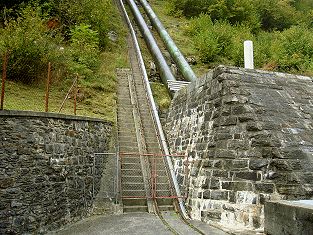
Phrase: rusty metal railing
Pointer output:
(161, 187)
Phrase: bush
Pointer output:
(95, 13)
(294, 51)
(85, 50)
(233, 11)
(31, 45)
(276, 14)
(219, 41)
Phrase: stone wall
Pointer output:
(49, 173)
(250, 136)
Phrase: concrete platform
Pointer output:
(289, 217)
(132, 223)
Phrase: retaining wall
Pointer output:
(49, 174)
(250, 136)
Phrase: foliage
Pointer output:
(290, 50)
(276, 14)
(219, 41)
(267, 14)
(30, 44)
(280, 29)
(84, 50)
(95, 13)
(233, 11)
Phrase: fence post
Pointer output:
(248, 54)
(48, 88)
(4, 77)
(75, 95)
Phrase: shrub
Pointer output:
(219, 41)
(85, 47)
(294, 51)
(276, 14)
(31, 45)
(95, 13)
(233, 11)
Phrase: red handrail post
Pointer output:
(75, 95)
(48, 88)
(4, 77)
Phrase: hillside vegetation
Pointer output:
(280, 29)
(80, 40)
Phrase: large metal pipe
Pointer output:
(165, 71)
(177, 56)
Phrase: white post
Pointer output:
(248, 54)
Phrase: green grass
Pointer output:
(161, 96)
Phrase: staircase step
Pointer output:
(166, 207)
(129, 209)
(134, 201)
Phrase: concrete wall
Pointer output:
(250, 137)
(282, 218)
(49, 174)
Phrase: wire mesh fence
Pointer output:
(160, 184)
(48, 92)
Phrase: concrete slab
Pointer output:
(289, 217)
(133, 223)
(183, 229)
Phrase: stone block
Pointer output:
(264, 187)
(223, 136)
(6, 182)
(246, 117)
(238, 144)
(237, 185)
(214, 183)
(254, 126)
(284, 217)
(258, 164)
(228, 121)
(241, 109)
(247, 175)
(212, 215)
(220, 173)
(218, 195)
(280, 165)
(222, 153)
(236, 164)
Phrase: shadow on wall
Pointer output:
(249, 134)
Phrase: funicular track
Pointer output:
(146, 183)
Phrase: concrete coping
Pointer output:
(308, 204)
(226, 69)
(17, 113)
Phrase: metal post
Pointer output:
(75, 95)
(4, 77)
(248, 54)
(48, 88)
